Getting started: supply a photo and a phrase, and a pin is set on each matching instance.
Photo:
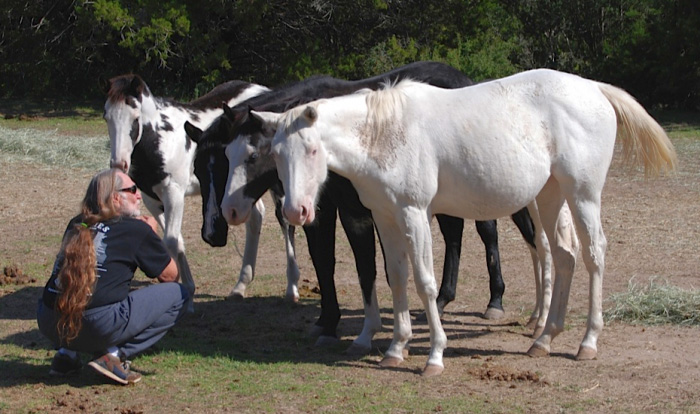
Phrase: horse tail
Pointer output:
(642, 137)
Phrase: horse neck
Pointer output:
(341, 137)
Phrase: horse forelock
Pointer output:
(292, 120)
(122, 86)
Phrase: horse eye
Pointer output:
(253, 157)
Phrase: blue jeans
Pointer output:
(133, 325)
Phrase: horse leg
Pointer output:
(542, 266)
(415, 224)
(155, 207)
(451, 229)
(557, 223)
(292, 293)
(359, 228)
(488, 231)
(320, 237)
(253, 228)
(543, 285)
(396, 267)
(173, 210)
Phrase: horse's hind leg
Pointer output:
(488, 231)
(451, 229)
(556, 221)
(250, 252)
(292, 293)
(586, 215)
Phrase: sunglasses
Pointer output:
(131, 189)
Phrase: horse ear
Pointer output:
(104, 84)
(193, 132)
(310, 114)
(228, 111)
(138, 86)
(268, 119)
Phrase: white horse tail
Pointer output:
(642, 137)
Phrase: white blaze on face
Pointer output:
(124, 126)
(235, 205)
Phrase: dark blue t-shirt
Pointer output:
(121, 245)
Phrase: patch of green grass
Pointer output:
(655, 304)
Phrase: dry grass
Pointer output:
(655, 303)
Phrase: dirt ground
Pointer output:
(652, 228)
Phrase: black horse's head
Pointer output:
(211, 169)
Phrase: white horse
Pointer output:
(147, 139)
(540, 139)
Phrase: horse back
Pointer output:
(221, 93)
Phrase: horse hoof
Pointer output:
(494, 314)
(324, 341)
(586, 354)
(236, 296)
(537, 351)
(390, 362)
(431, 370)
(357, 350)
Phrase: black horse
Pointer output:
(338, 197)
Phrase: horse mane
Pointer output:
(126, 85)
(385, 109)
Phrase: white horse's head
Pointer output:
(127, 99)
(300, 158)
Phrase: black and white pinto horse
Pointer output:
(540, 138)
(148, 140)
(251, 172)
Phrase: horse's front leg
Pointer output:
(396, 265)
(416, 226)
(253, 227)
(292, 293)
(173, 198)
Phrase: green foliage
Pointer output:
(183, 48)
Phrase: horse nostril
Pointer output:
(304, 213)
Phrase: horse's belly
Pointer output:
(488, 194)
